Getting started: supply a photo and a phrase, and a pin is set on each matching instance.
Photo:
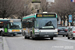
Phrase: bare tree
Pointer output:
(13, 7)
(63, 8)
(44, 5)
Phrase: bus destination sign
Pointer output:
(45, 15)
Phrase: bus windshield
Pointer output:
(46, 23)
(15, 25)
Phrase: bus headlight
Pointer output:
(20, 30)
(55, 33)
(36, 32)
(9, 30)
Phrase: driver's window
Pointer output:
(70, 29)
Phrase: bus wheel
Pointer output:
(73, 38)
(68, 37)
(14, 34)
(51, 38)
(63, 35)
(28, 37)
(0, 33)
(25, 37)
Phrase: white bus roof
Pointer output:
(15, 20)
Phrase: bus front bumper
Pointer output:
(46, 35)
(9, 33)
(14, 32)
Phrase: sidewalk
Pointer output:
(1, 43)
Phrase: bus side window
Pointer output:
(70, 29)
(6, 25)
(31, 24)
(27, 25)
(24, 24)
(9, 25)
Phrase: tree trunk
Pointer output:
(64, 19)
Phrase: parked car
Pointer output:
(62, 31)
(71, 32)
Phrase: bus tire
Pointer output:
(25, 37)
(68, 37)
(51, 38)
(63, 35)
(73, 38)
(0, 33)
(14, 34)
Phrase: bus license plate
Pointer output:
(46, 36)
(61, 31)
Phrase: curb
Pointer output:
(5, 45)
(1, 38)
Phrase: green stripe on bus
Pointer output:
(30, 17)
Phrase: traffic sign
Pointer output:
(70, 18)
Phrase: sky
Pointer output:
(51, 0)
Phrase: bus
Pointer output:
(10, 27)
(40, 25)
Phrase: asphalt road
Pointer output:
(59, 43)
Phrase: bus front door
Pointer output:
(5, 28)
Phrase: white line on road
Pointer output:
(72, 41)
(5, 45)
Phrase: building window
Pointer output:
(36, 6)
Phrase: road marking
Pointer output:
(66, 40)
(5, 45)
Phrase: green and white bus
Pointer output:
(40, 25)
(10, 27)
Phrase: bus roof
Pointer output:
(29, 16)
(4, 19)
(15, 20)
(34, 15)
